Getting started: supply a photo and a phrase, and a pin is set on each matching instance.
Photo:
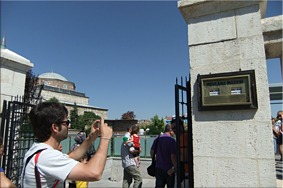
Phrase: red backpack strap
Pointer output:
(37, 175)
(56, 184)
(27, 161)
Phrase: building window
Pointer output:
(45, 83)
(65, 85)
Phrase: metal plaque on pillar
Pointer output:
(224, 91)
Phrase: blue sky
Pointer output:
(124, 55)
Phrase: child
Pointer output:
(136, 141)
(127, 139)
(133, 141)
(83, 184)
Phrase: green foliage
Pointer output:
(74, 117)
(87, 119)
(53, 99)
(26, 128)
(155, 127)
(185, 125)
(32, 89)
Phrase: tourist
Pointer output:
(166, 160)
(128, 163)
(45, 166)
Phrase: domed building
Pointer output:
(55, 85)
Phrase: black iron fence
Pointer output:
(17, 136)
(184, 134)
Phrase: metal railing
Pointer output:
(114, 148)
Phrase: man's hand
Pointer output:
(94, 131)
(105, 131)
(170, 172)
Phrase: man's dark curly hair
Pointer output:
(43, 115)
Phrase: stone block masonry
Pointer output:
(232, 148)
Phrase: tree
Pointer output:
(32, 95)
(87, 119)
(74, 117)
(53, 99)
(32, 88)
(128, 115)
(156, 126)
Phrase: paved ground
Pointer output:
(279, 171)
(148, 183)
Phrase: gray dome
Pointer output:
(52, 75)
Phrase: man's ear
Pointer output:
(55, 128)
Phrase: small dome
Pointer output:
(52, 75)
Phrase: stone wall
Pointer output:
(232, 148)
(64, 97)
(120, 126)
(57, 83)
(101, 112)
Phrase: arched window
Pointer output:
(45, 83)
(65, 85)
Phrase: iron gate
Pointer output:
(17, 138)
(183, 112)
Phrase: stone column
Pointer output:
(232, 148)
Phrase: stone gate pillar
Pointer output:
(231, 148)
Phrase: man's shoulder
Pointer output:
(166, 136)
(47, 151)
(37, 146)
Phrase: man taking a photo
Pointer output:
(45, 166)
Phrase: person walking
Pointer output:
(279, 128)
(183, 134)
(45, 166)
(79, 139)
(131, 171)
(166, 160)
(275, 136)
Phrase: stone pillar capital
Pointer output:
(197, 8)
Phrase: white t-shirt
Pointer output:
(128, 135)
(52, 165)
(278, 125)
